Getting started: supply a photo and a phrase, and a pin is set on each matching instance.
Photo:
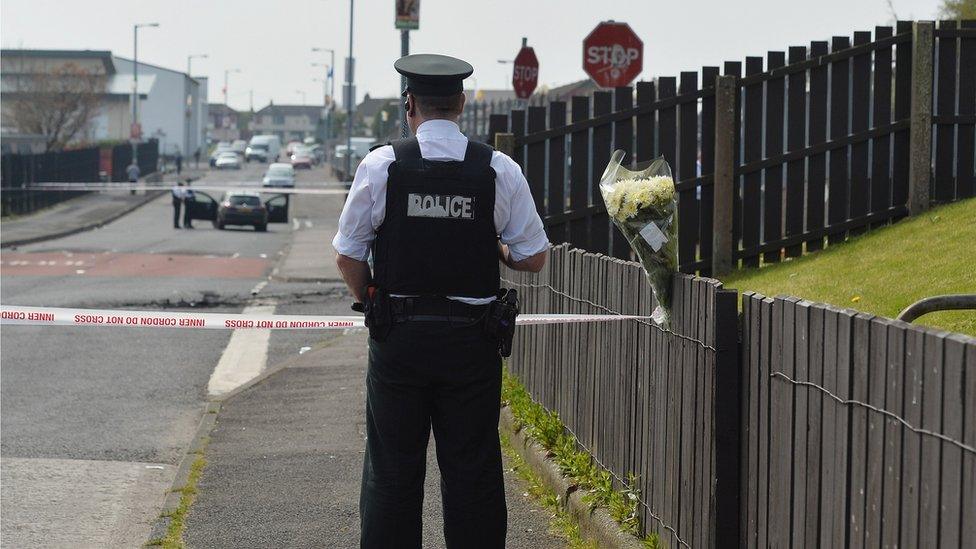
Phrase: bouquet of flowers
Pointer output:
(643, 205)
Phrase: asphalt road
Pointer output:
(95, 421)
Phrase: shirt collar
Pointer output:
(439, 128)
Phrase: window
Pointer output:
(279, 119)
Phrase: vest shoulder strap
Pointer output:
(407, 152)
(477, 157)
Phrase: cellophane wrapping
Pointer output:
(643, 205)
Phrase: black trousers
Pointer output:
(187, 222)
(176, 213)
(427, 375)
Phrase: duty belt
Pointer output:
(434, 309)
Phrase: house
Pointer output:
(290, 122)
(370, 110)
(223, 123)
(174, 110)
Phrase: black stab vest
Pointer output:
(438, 236)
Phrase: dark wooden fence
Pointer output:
(819, 427)
(858, 431)
(72, 166)
(820, 144)
(657, 403)
(19, 170)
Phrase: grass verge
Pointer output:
(884, 271)
(545, 427)
(561, 522)
(188, 494)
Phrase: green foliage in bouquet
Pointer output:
(643, 205)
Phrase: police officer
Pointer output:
(188, 198)
(437, 212)
(177, 192)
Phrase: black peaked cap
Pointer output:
(432, 74)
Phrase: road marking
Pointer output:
(260, 286)
(295, 224)
(245, 356)
(308, 223)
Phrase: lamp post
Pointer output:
(330, 75)
(226, 73)
(350, 79)
(189, 103)
(134, 136)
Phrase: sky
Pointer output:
(270, 42)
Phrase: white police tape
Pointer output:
(121, 318)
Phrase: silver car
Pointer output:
(279, 174)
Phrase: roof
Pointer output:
(371, 106)
(104, 55)
(220, 109)
(487, 96)
(580, 87)
(312, 111)
(126, 61)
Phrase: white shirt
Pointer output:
(516, 220)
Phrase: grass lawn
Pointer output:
(884, 271)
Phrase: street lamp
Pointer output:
(508, 81)
(227, 72)
(189, 104)
(330, 75)
(135, 136)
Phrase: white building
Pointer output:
(174, 110)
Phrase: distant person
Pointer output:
(179, 162)
(188, 198)
(132, 171)
(196, 158)
(177, 192)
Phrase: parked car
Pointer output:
(279, 175)
(239, 211)
(302, 158)
(221, 148)
(239, 146)
(291, 146)
(228, 160)
(360, 147)
(264, 148)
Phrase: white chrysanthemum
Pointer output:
(626, 197)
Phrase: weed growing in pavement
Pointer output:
(177, 523)
(545, 427)
(560, 521)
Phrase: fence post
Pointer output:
(505, 142)
(920, 140)
(724, 178)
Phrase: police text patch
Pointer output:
(440, 206)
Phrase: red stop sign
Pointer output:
(612, 54)
(525, 75)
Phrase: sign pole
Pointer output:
(404, 51)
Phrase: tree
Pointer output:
(59, 104)
(958, 9)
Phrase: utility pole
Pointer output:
(330, 75)
(194, 106)
(404, 51)
(226, 73)
(135, 137)
(351, 94)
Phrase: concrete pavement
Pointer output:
(78, 214)
(284, 462)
